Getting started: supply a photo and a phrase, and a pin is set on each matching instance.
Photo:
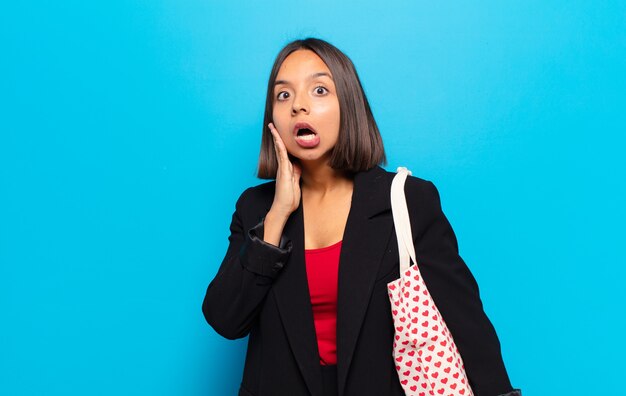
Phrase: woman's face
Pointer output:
(305, 97)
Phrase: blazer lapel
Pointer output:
(291, 291)
(364, 241)
(365, 238)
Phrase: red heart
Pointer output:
(438, 364)
(453, 386)
(429, 358)
(414, 388)
(435, 374)
(431, 348)
(440, 391)
(440, 353)
(425, 313)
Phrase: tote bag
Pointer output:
(426, 358)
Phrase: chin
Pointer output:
(314, 158)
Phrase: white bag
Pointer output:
(427, 360)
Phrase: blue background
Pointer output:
(117, 119)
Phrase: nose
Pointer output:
(300, 104)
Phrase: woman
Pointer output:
(311, 253)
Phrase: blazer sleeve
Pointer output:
(235, 296)
(455, 293)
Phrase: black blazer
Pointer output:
(261, 290)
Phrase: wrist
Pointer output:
(277, 216)
(273, 227)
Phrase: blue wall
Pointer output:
(116, 118)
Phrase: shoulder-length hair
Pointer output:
(359, 146)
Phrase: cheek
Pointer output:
(330, 109)
(279, 121)
(331, 115)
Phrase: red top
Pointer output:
(322, 269)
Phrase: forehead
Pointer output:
(301, 64)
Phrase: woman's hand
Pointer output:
(287, 193)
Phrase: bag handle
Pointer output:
(401, 220)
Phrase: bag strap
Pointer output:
(401, 220)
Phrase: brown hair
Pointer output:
(359, 146)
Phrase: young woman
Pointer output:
(310, 254)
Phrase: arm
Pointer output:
(456, 294)
(235, 296)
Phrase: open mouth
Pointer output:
(305, 135)
(303, 129)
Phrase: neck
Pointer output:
(320, 178)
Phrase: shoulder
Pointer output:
(422, 198)
(421, 190)
(257, 198)
(417, 189)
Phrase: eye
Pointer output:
(283, 97)
(320, 90)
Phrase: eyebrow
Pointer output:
(311, 77)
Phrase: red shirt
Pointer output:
(322, 268)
